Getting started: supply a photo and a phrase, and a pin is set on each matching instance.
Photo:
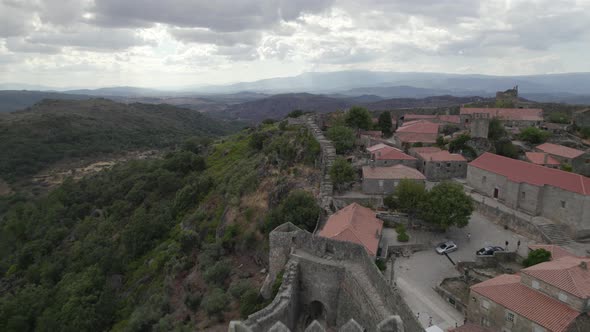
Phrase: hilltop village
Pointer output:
(468, 219)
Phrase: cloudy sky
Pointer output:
(169, 43)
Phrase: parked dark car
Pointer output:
(488, 251)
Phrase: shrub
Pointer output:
(567, 167)
(250, 302)
(299, 208)
(534, 135)
(342, 172)
(215, 302)
(192, 301)
(218, 273)
(496, 130)
(585, 132)
(403, 237)
(504, 147)
(239, 287)
(358, 118)
(295, 114)
(559, 117)
(537, 256)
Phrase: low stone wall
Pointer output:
(452, 299)
(406, 249)
(511, 221)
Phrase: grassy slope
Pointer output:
(135, 248)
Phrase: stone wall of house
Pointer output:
(571, 300)
(494, 317)
(381, 186)
(581, 164)
(443, 170)
(567, 207)
(385, 163)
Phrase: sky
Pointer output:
(174, 43)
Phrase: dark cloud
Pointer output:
(218, 15)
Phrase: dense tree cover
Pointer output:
(358, 118)
(446, 205)
(342, 172)
(342, 137)
(504, 147)
(536, 256)
(585, 132)
(54, 130)
(459, 145)
(534, 135)
(385, 124)
(104, 253)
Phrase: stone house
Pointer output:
(582, 118)
(383, 180)
(357, 224)
(437, 164)
(384, 155)
(411, 133)
(557, 195)
(578, 159)
(551, 296)
(543, 159)
(510, 117)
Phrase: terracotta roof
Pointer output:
(426, 149)
(539, 158)
(416, 137)
(389, 153)
(517, 114)
(522, 171)
(450, 118)
(392, 172)
(565, 273)
(469, 327)
(507, 291)
(560, 150)
(419, 116)
(442, 155)
(420, 126)
(357, 224)
(376, 147)
(557, 252)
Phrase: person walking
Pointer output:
(506, 245)
(517, 245)
(468, 237)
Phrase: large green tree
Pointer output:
(358, 118)
(496, 130)
(342, 137)
(342, 172)
(408, 196)
(446, 205)
(385, 124)
(299, 208)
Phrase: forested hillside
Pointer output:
(53, 130)
(156, 245)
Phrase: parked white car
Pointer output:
(446, 247)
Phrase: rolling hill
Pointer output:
(56, 129)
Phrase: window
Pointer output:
(448, 164)
(483, 179)
(485, 304)
(509, 317)
(535, 284)
(562, 297)
(380, 183)
(563, 204)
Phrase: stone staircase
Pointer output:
(555, 233)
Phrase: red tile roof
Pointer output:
(420, 126)
(515, 114)
(442, 155)
(507, 291)
(392, 173)
(357, 224)
(426, 149)
(389, 153)
(566, 273)
(522, 171)
(560, 150)
(450, 118)
(557, 252)
(539, 158)
(416, 137)
(376, 147)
